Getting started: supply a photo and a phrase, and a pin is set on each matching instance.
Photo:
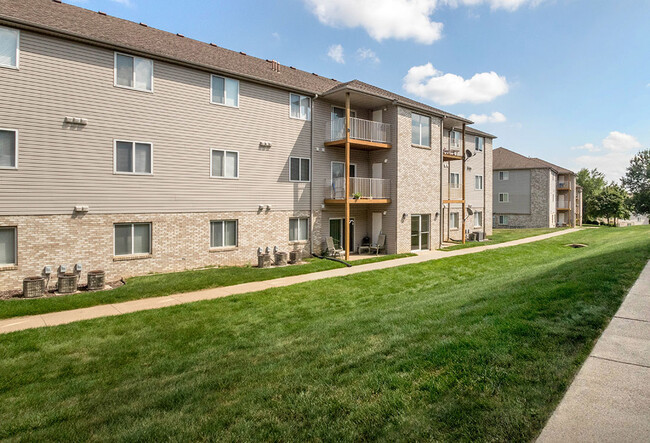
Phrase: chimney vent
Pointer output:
(275, 66)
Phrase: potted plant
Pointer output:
(356, 195)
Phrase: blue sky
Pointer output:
(564, 80)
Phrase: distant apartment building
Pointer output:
(533, 193)
(133, 150)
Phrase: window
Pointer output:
(503, 220)
(132, 238)
(9, 47)
(479, 142)
(454, 180)
(224, 164)
(133, 157)
(298, 229)
(478, 219)
(300, 107)
(223, 234)
(454, 140)
(299, 169)
(504, 175)
(453, 220)
(7, 246)
(225, 91)
(8, 149)
(478, 182)
(420, 130)
(504, 197)
(133, 72)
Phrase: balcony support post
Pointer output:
(347, 176)
(464, 169)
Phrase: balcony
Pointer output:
(454, 151)
(366, 190)
(563, 205)
(364, 134)
(563, 186)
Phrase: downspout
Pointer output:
(442, 135)
(485, 179)
(311, 182)
(463, 189)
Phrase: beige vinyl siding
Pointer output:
(61, 166)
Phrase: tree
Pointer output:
(593, 183)
(613, 203)
(637, 181)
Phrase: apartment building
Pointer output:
(133, 150)
(533, 193)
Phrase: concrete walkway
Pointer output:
(609, 400)
(63, 317)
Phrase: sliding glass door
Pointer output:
(420, 232)
(337, 232)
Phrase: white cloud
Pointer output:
(399, 19)
(367, 54)
(382, 19)
(495, 117)
(335, 52)
(617, 150)
(586, 147)
(448, 89)
(275, 35)
(123, 2)
(508, 5)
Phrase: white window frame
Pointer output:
(132, 254)
(310, 107)
(457, 227)
(223, 234)
(503, 220)
(476, 213)
(420, 138)
(15, 131)
(225, 151)
(476, 143)
(477, 188)
(225, 79)
(300, 170)
(15, 263)
(133, 143)
(504, 197)
(17, 67)
(299, 239)
(504, 175)
(451, 181)
(453, 136)
(133, 88)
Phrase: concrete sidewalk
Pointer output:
(63, 317)
(609, 400)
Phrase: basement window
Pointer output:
(8, 246)
(132, 238)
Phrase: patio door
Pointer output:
(337, 232)
(419, 232)
(338, 122)
(338, 178)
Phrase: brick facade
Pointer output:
(179, 242)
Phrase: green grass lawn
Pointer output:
(473, 347)
(504, 235)
(157, 285)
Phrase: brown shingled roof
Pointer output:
(113, 32)
(81, 24)
(503, 158)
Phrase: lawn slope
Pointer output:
(474, 347)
